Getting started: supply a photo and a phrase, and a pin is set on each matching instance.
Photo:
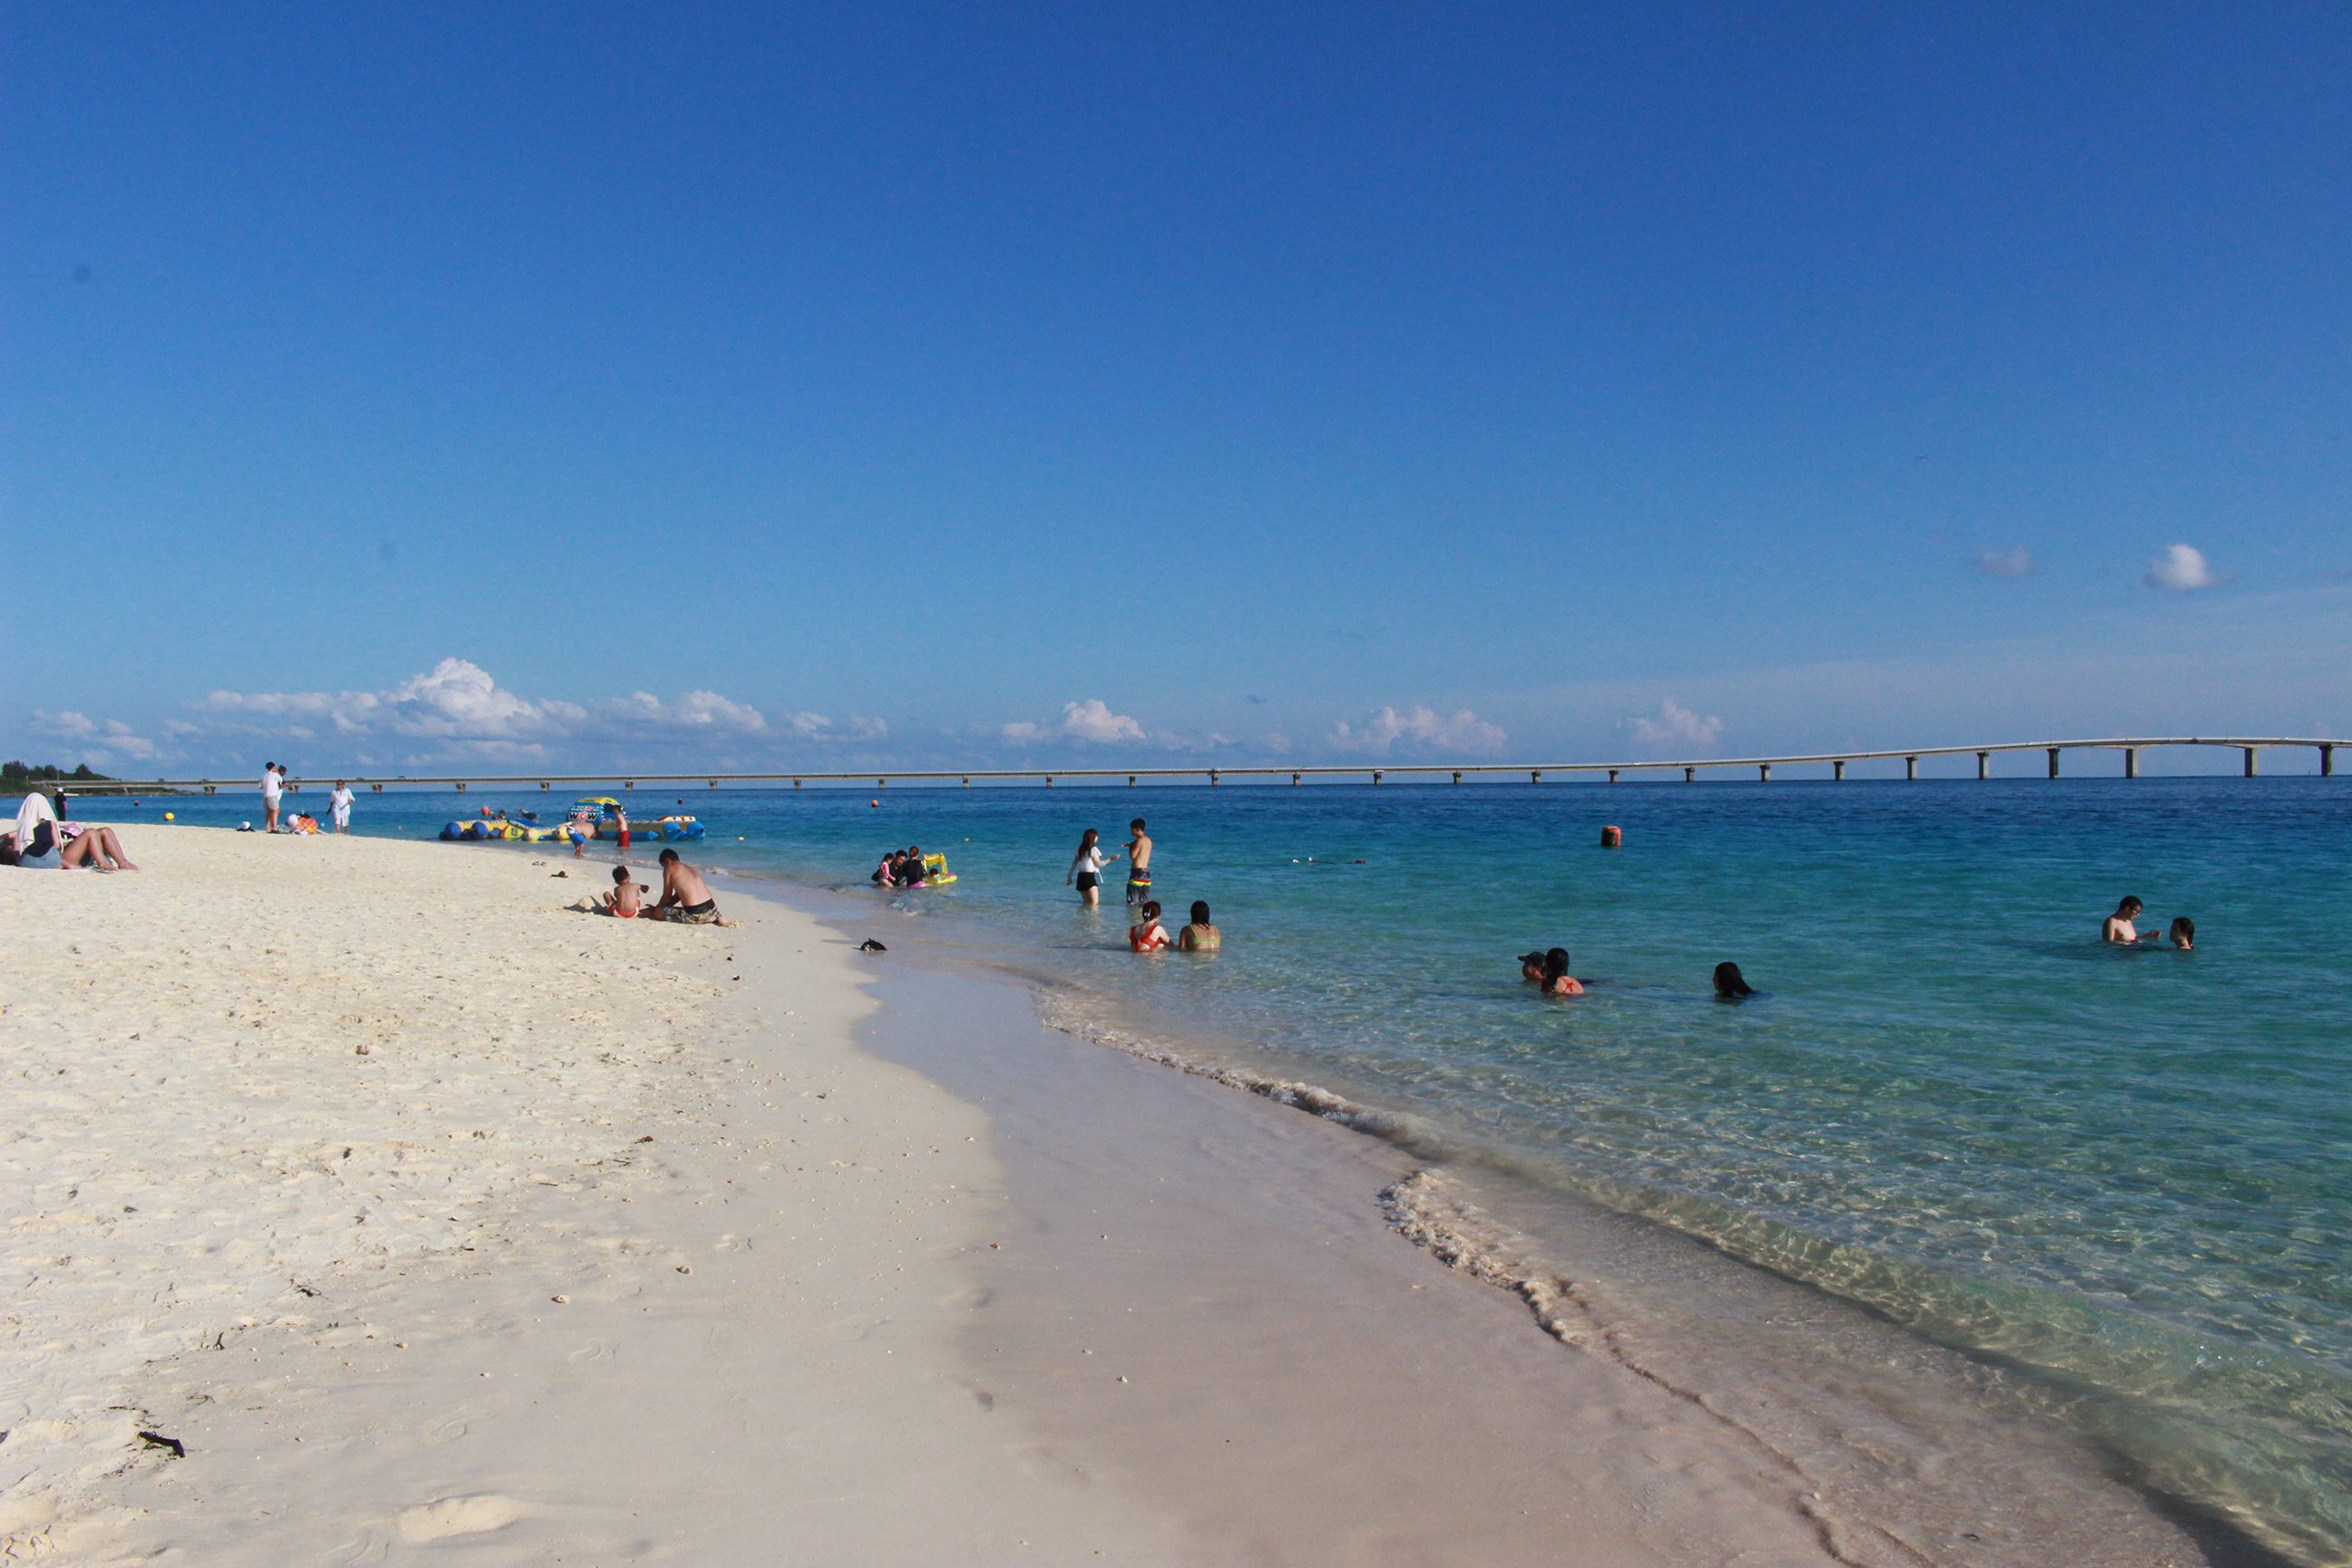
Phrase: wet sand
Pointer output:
(625, 1244)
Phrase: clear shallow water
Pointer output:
(2127, 1171)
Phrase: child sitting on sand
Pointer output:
(626, 902)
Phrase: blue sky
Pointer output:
(750, 386)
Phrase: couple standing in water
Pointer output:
(1087, 865)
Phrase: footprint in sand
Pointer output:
(448, 1429)
(453, 1516)
(594, 1349)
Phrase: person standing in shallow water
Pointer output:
(1086, 869)
(1138, 851)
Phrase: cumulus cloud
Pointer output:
(704, 710)
(1091, 720)
(2017, 562)
(1675, 725)
(459, 703)
(2183, 568)
(99, 740)
(1461, 733)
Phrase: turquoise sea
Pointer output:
(2127, 1173)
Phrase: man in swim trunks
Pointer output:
(1138, 851)
(686, 897)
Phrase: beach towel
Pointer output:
(35, 847)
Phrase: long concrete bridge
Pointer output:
(2252, 748)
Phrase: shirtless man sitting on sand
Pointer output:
(686, 897)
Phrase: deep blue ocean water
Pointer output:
(2130, 1170)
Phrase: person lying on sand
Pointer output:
(686, 897)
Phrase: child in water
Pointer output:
(2183, 934)
(1149, 935)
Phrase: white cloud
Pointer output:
(1090, 720)
(1422, 729)
(2183, 567)
(458, 702)
(697, 711)
(98, 740)
(1675, 725)
(1093, 721)
(2017, 562)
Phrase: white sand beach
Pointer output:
(417, 1217)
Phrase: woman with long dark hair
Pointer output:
(1085, 868)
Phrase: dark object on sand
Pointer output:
(157, 1440)
(870, 945)
(563, 873)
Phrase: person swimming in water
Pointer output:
(1730, 985)
(1531, 968)
(1556, 980)
(2183, 934)
(1200, 936)
(2119, 931)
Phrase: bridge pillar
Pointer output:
(1457, 775)
(1613, 775)
(629, 786)
(796, 783)
(1837, 770)
(967, 784)
(2131, 762)
(372, 789)
(1690, 775)
(1763, 772)
(2326, 761)
(1535, 775)
(1130, 781)
(1984, 765)
(880, 784)
(542, 786)
(208, 789)
(1910, 767)
(1212, 778)
(1376, 776)
(1049, 780)
(461, 788)
(1293, 780)
(2054, 762)
(2251, 769)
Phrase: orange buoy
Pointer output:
(1613, 837)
